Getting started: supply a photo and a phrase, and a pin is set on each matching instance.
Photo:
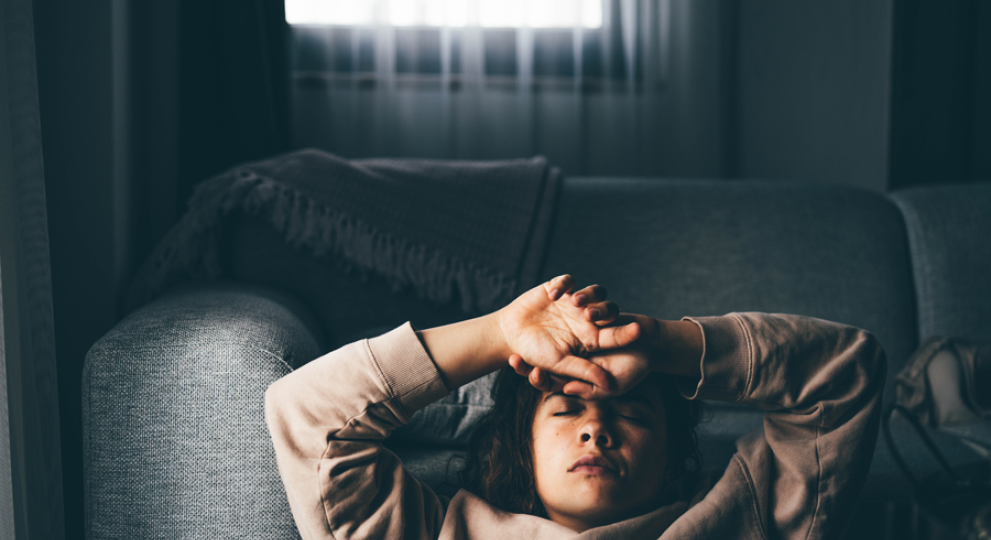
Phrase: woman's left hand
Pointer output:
(550, 329)
(626, 367)
(668, 347)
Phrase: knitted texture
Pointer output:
(174, 436)
(469, 230)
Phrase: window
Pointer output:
(447, 13)
(557, 41)
(579, 81)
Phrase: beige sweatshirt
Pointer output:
(818, 382)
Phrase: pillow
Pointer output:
(449, 421)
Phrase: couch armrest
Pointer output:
(174, 437)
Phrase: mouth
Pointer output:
(593, 465)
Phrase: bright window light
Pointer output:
(454, 13)
(341, 12)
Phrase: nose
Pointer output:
(597, 430)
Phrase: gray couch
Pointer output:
(175, 445)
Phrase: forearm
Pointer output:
(674, 347)
(788, 362)
(820, 384)
(466, 350)
(681, 353)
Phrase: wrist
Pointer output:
(499, 345)
(466, 350)
(678, 348)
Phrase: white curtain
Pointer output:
(594, 100)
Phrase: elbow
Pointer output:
(856, 379)
(873, 359)
(878, 358)
(273, 404)
(279, 417)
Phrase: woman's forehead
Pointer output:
(647, 392)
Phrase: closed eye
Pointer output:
(566, 413)
(632, 413)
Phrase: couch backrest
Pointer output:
(949, 231)
(702, 247)
(672, 248)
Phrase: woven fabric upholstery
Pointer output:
(949, 229)
(175, 442)
(673, 248)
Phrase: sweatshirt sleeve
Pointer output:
(820, 385)
(328, 419)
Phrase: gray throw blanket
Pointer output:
(474, 229)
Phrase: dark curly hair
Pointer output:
(499, 462)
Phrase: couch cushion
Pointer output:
(949, 228)
(671, 248)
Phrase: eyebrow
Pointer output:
(561, 394)
(636, 398)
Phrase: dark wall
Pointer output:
(82, 58)
(154, 28)
(139, 101)
(941, 97)
(210, 90)
(980, 141)
(883, 94)
(812, 91)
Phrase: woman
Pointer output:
(597, 424)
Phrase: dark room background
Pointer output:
(139, 101)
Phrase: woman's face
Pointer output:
(599, 462)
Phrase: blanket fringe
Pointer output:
(191, 250)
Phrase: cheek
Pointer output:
(550, 449)
(649, 450)
(543, 443)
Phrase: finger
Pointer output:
(619, 336)
(602, 313)
(535, 378)
(519, 365)
(579, 388)
(559, 286)
(540, 380)
(587, 391)
(580, 368)
(589, 295)
(557, 384)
